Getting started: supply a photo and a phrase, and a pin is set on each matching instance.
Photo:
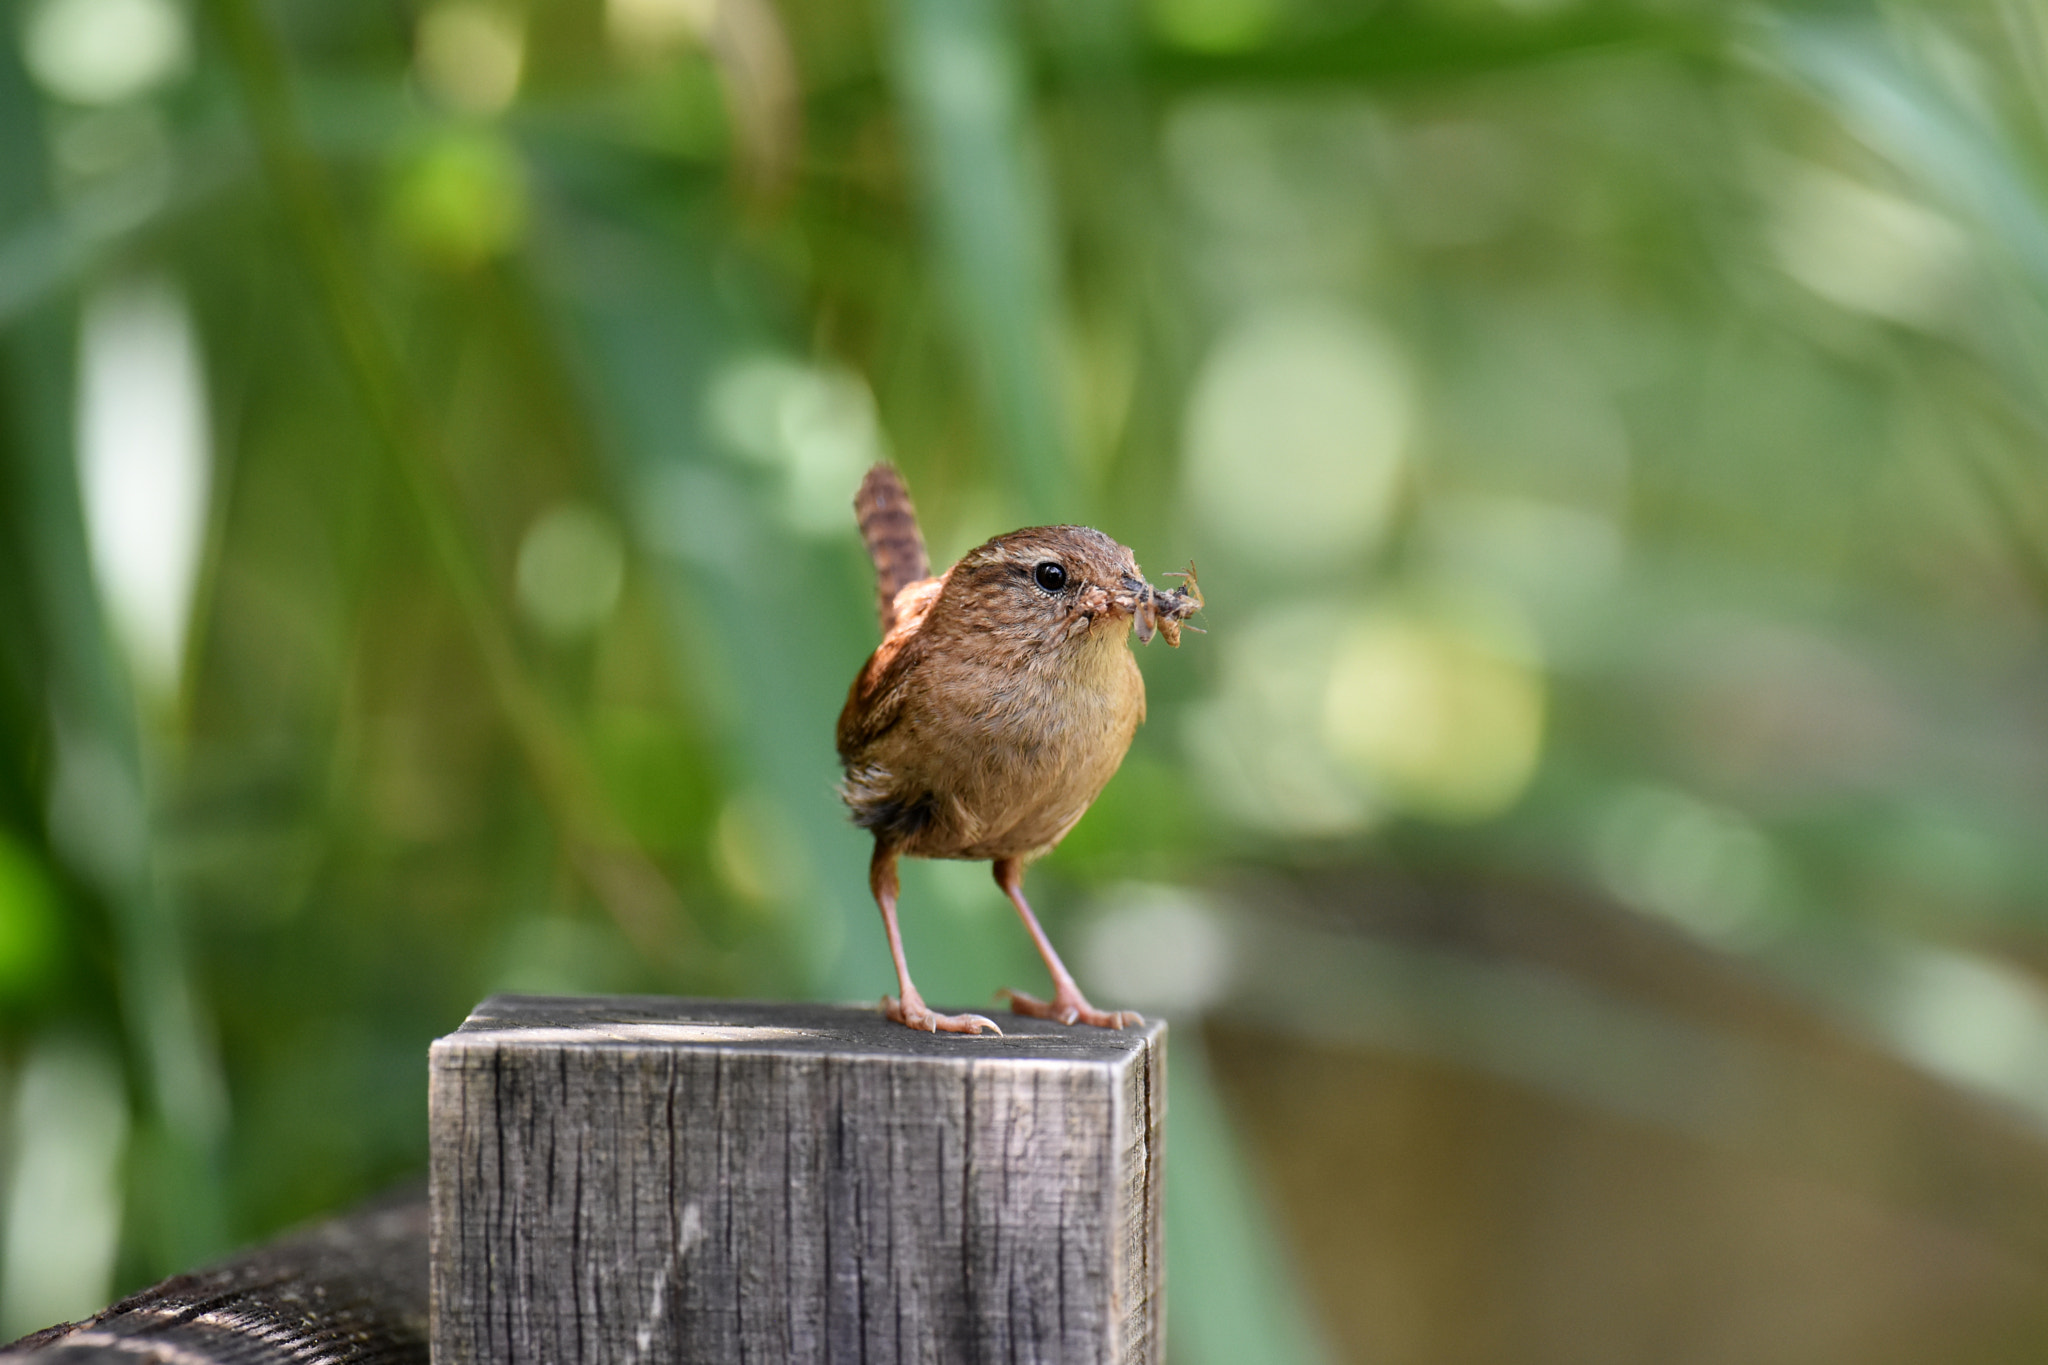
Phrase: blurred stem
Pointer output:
(752, 617)
(959, 74)
(109, 813)
(617, 872)
(1883, 93)
(101, 811)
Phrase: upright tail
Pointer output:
(888, 524)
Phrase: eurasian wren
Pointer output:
(1002, 698)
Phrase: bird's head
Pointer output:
(1062, 586)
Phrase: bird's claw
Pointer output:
(1065, 1008)
(916, 1014)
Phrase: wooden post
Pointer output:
(646, 1181)
(352, 1291)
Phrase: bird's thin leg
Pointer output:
(909, 1007)
(1067, 1005)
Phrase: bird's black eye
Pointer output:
(1050, 576)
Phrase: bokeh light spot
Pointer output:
(1213, 25)
(1159, 948)
(1865, 250)
(644, 31)
(470, 55)
(144, 466)
(814, 425)
(70, 1130)
(105, 51)
(1296, 432)
(1705, 868)
(572, 565)
(1258, 741)
(1971, 1018)
(1439, 706)
(461, 198)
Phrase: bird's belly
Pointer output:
(1017, 776)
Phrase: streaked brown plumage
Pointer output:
(1002, 698)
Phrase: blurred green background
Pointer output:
(1596, 864)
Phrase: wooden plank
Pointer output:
(648, 1181)
(348, 1292)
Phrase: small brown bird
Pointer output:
(1002, 698)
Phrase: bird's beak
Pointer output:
(1132, 596)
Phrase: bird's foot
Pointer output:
(1068, 1007)
(914, 1013)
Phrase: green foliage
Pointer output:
(29, 933)
(1610, 434)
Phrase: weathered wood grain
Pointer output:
(648, 1181)
(349, 1292)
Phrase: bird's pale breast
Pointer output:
(1010, 760)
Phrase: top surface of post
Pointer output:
(654, 1021)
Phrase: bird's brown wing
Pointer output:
(888, 527)
(875, 700)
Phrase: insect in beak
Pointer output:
(1163, 612)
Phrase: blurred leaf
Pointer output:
(28, 922)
